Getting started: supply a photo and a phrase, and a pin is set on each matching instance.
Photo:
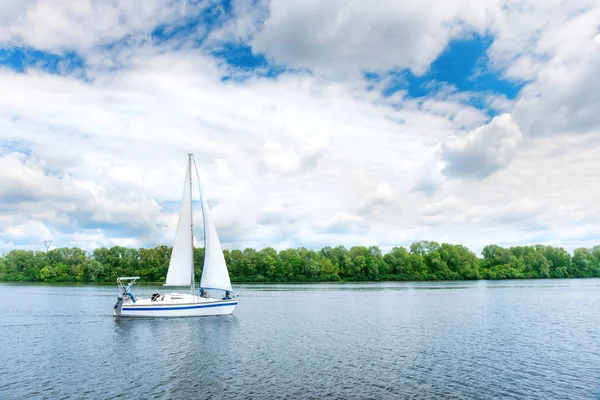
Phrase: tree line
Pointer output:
(422, 261)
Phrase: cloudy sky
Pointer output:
(312, 122)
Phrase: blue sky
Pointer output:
(315, 123)
(464, 63)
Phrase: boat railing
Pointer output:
(123, 281)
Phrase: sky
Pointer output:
(313, 123)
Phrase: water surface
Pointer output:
(532, 339)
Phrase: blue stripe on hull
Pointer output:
(143, 308)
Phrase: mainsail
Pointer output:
(181, 266)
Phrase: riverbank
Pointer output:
(422, 261)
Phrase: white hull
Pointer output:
(176, 305)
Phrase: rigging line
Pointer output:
(203, 212)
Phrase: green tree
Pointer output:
(22, 265)
(585, 265)
(93, 271)
(328, 270)
(3, 270)
(426, 260)
(47, 273)
(398, 262)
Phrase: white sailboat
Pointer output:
(215, 277)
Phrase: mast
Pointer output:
(193, 285)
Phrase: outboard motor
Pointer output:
(118, 306)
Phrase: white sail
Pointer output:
(182, 258)
(214, 272)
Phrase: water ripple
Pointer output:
(486, 340)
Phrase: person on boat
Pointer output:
(227, 296)
(203, 293)
(128, 292)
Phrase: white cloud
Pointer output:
(428, 174)
(482, 151)
(40, 204)
(381, 196)
(551, 44)
(28, 229)
(435, 208)
(342, 223)
(351, 36)
(284, 160)
(56, 26)
(564, 99)
(532, 32)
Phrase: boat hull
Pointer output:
(174, 310)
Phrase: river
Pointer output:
(526, 339)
